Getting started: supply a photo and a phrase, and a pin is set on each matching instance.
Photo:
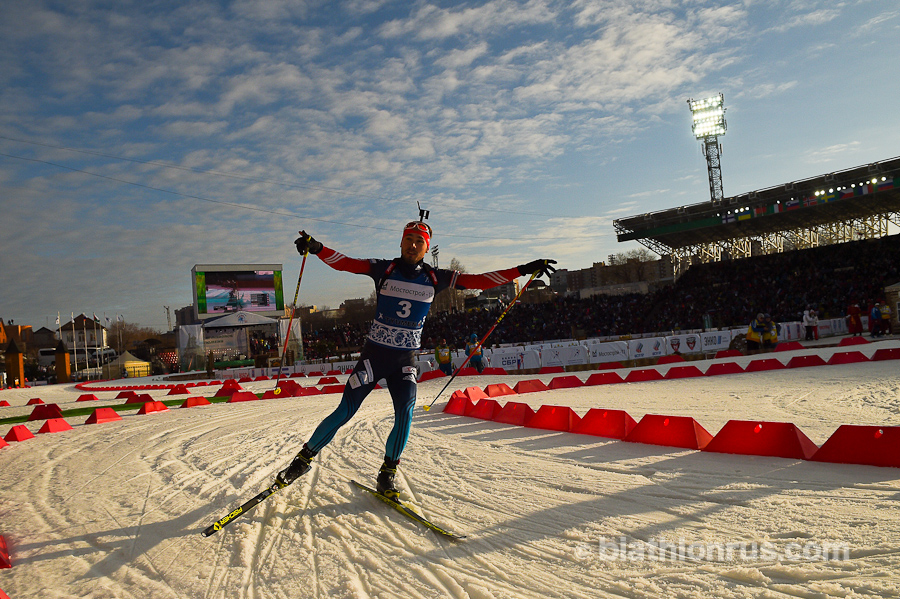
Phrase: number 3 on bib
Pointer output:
(405, 309)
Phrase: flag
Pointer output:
(776, 208)
(120, 317)
(759, 211)
(107, 319)
(809, 202)
(885, 185)
(745, 216)
(728, 218)
(95, 317)
(57, 319)
(792, 204)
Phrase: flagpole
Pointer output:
(87, 364)
(74, 342)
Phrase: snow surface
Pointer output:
(116, 509)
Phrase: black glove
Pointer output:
(542, 267)
(305, 243)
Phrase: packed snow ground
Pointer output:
(116, 510)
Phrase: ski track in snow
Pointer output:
(115, 510)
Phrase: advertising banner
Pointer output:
(651, 347)
(565, 356)
(613, 351)
(714, 341)
(684, 344)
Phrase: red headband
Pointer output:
(418, 228)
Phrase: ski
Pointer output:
(243, 509)
(409, 512)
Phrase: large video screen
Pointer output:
(225, 288)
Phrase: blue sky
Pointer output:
(140, 138)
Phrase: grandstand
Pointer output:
(853, 204)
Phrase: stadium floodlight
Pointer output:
(708, 125)
(709, 117)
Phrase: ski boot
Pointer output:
(385, 482)
(297, 468)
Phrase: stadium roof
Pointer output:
(857, 193)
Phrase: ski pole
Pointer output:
(481, 342)
(290, 322)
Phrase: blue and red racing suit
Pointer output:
(404, 294)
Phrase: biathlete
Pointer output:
(405, 288)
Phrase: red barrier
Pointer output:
(315, 373)
(776, 439)
(855, 340)
(192, 402)
(788, 346)
(728, 353)
(431, 375)
(126, 394)
(475, 393)
(670, 359)
(153, 406)
(3, 443)
(642, 375)
(55, 425)
(242, 396)
(554, 418)
(683, 372)
(551, 370)
(328, 380)
(804, 361)
(18, 433)
(887, 353)
(724, 368)
(764, 364)
(87, 397)
(261, 378)
(304, 391)
(670, 431)
(498, 390)
(603, 378)
(5, 562)
(330, 372)
(101, 415)
(847, 357)
(45, 412)
(494, 371)
(566, 382)
(333, 388)
(245, 379)
(531, 386)
(178, 390)
(297, 375)
(458, 405)
(870, 445)
(34, 401)
(4, 404)
(612, 424)
(142, 398)
(515, 413)
(485, 409)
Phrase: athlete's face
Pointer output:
(413, 248)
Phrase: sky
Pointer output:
(138, 139)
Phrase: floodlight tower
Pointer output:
(709, 124)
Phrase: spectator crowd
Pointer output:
(828, 279)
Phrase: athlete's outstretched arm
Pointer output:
(336, 260)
